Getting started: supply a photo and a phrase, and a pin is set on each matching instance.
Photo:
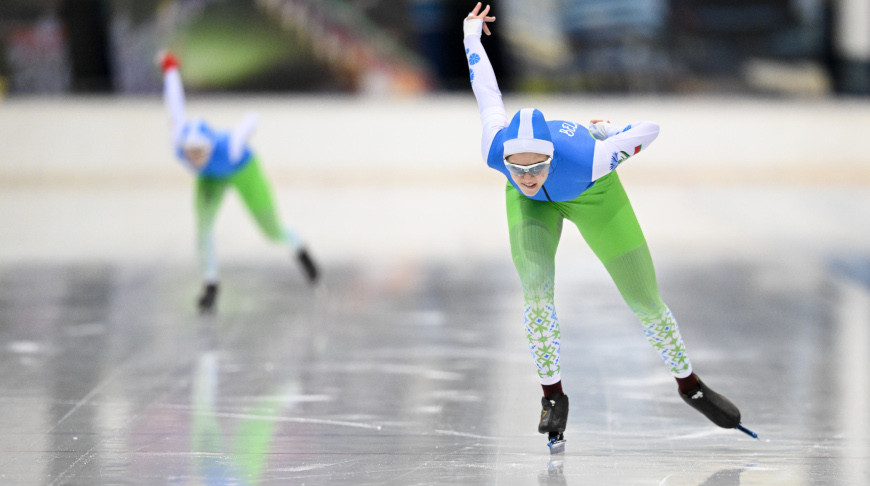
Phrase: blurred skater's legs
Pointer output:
(257, 195)
(208, 197)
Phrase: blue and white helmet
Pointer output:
(528, 132)
(197, 134)
(196, 142)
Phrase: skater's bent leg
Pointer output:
(257, 195)
(535, 228)
(255, 192)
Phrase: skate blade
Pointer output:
(557, 446)
(746, 431)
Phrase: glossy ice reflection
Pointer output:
(417, 374)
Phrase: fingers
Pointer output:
(485, 20)
(476, 13)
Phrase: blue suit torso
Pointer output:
(571, 168)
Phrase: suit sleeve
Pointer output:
(239, 137)
(173, 96)
(621, 145)
(485, 87)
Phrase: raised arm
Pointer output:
(483, 83)
(620, 145)
(173, 93)
(240, 136)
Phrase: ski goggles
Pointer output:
(533, 170)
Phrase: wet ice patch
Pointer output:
(463, 434)
(455, 396)
(427, 318)
(306, 467)
(430, 409)
(85, 330)
(400, 369)
(25, 347)
(292, 398)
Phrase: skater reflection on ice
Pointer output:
(558, 170)
(725, 477)
(554, 474)
(229, 448)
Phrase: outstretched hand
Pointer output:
(167, 60)
(477, 14)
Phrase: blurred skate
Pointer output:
(208, 298)
(308, 265)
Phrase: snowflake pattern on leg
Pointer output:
(544, 337)
(663, 334)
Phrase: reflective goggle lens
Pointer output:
(533, 170)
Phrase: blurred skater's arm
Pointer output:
(240, 136)
(483, 82)
(622, 144)
(173, 93)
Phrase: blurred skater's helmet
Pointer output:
(528, 132)
(197, 142)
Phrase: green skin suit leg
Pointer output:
(606, 220)
(256, 194)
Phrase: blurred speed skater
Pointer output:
(221, 159)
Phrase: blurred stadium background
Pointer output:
(368, 94)
(780, 47)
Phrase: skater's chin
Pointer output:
(530, 185)
(530, 190)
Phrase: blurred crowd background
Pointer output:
(770, 47)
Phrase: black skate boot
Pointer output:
(554, 418)
(714, 406)
(308, 265)
(206, 302)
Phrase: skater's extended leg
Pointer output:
(208, 196)
(257, 195)
(609, 225)
(605, 218)
(634, 276)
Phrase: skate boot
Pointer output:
(715, 407)
(206, 302)
(307, 264)
(554, 418)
